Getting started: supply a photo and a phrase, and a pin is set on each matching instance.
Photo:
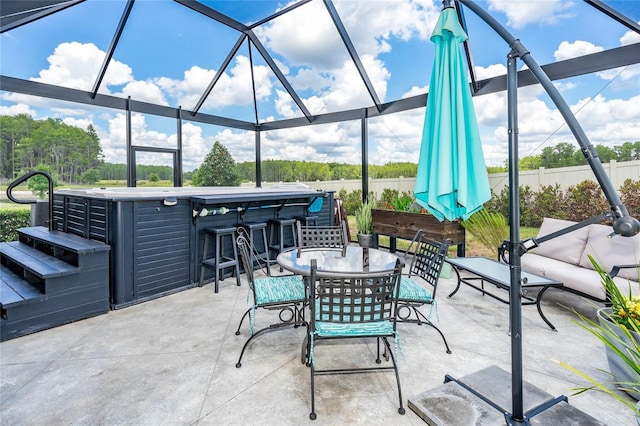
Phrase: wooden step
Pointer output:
(14, 290)
(69, 242)
(36, 262)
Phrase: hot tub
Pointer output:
(156, 234)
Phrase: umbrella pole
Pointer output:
(515, 302)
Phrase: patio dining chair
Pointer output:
(322, 236)
(348, 305)
(283, 293)
(427, 259)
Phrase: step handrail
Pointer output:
(26, 177)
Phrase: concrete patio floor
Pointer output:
(171, 361)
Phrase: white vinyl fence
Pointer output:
(618, 172)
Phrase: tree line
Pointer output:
(118, 171)
(291, 171)
(66, 151)
(74, 156)
(567, 155)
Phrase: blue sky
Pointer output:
(168, 54)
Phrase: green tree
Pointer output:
(90, 177)
(605, 153)
(217, 169)
(25, 143)
(533, 162)
(38, 184)
(628, 151)
(561, 155)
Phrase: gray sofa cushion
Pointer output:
(583, 280)
(586, 281)
(566, 248)
(537, 264)
(612, 251)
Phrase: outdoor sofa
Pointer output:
(565, 258)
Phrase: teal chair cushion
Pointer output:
(376, 328)
(367, 329)
(279, 289)
(410, 290)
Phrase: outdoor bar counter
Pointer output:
(156, 234)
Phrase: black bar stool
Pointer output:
(256, 233)
(222, 259)
(307, 220)
(279, 230)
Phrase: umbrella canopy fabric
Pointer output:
(452, 180)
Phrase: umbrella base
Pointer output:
(484, 398)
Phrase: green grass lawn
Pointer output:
(9, 205)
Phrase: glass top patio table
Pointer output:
(483, 269)
(355, 259)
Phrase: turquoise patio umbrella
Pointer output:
(451, 180)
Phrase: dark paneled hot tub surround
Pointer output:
(156, 234)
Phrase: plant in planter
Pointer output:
(405, 202)
(400, 216)
(364, 225)
(618, 327)
(489, 228)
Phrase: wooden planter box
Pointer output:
(399, 224)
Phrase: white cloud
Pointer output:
(82, 123)
(520, 13)
(113, 141)
(617, 76)
(195, 146)
(144, 91)
(234, 87)
(17, 109)
(329, 142)
(490, 71)
(415, 91)
(188, 90)
(305, 37)
(386, 20)
(630, 37)
(76, 65)
(603, 118)
(285, 106)
(398, 137)
(568, 50)
(308, 44)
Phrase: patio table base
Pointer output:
(484, 398)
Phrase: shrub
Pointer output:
(630, 195)
(90, 177)
(12, 220)
(388, 198)
(527, 206)
(500, 204)
(549, 202)
(352, 200)
(585, 200)
(580, 202)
